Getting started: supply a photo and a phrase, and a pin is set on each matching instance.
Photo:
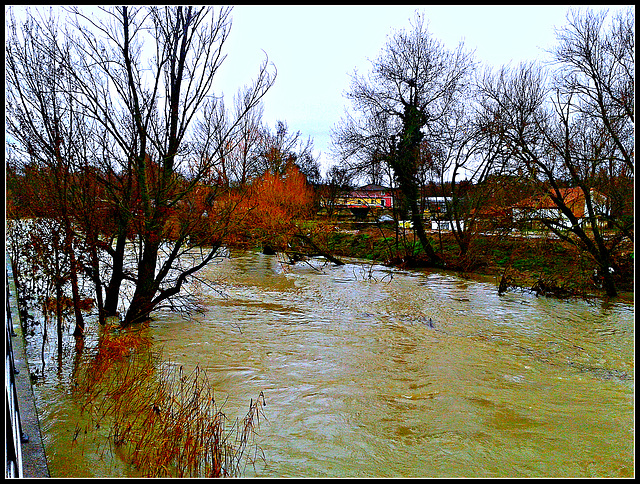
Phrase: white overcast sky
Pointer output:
(316, 48)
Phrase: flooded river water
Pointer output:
(371, 371)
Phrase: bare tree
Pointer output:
(363, 145)
(596, 63)
(235, 143)
(413, 87)
(468, 152)
(563, 132)
(145, 77)
(245, 166)
(159, 116)
(45, 125)
(337, 184)
(278, 151)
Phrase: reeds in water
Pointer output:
(166, 420)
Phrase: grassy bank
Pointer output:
(546, 265)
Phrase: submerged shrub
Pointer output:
(165, 420)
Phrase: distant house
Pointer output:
(368, 196)
(542, 207)
(438, 211)
(435, 207)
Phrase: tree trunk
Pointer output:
(140, 307)
(146, 286)
(404, 164)
(117, 275)
(418, 229)
(94, 274)
(59, 293)
(608, 283)
(407, 184)
(78, 331)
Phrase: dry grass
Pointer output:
(165, 420)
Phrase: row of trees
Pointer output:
(426, 112)
(116, 133)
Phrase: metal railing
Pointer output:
(14, 434)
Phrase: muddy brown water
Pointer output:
(358, 383)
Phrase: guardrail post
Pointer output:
(14, 433)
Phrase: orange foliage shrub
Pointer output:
(271, 211)
(267, 212)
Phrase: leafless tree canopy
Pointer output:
(414, 88)
(425, 111)
(130, 94)
(570, 124)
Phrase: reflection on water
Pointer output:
(357, 383)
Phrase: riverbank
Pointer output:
(32, 458)
(542, 264)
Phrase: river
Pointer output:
(373, 371)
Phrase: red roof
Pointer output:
(573, 198)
